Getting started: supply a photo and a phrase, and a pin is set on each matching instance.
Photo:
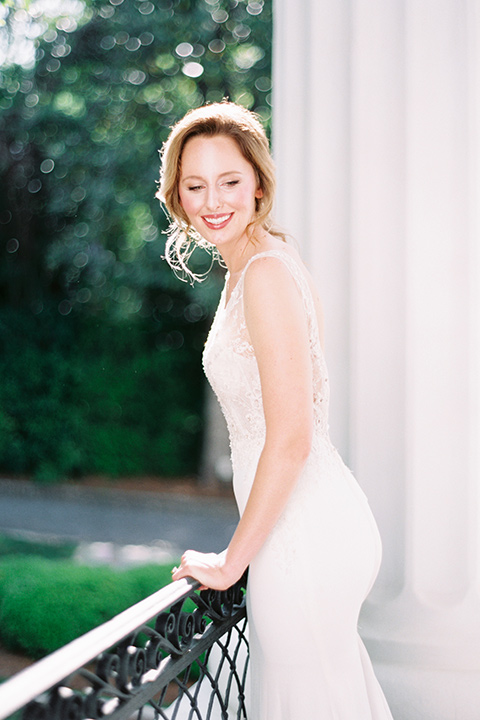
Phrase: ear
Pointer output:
(259, 193)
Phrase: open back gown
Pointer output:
(307, 583)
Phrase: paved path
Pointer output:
(167, 521)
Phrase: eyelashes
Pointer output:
(196, 188)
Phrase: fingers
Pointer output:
(178, 573)
(204, 567)
(183, 570)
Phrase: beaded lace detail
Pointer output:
(231, 367)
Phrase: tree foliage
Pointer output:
(81, 132)
(88, 92)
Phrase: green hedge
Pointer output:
(53, 549)
(45, 604)
(80, 397)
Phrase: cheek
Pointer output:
(188, 203)
(246, 197)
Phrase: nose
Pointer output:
(213, 201)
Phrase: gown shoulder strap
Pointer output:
(293, 267)
(300, 279)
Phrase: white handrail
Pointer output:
(28, 684)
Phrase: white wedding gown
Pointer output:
(308, 582)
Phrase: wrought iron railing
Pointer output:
(177, 655)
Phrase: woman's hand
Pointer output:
(208, 568)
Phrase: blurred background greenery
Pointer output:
(100, 344)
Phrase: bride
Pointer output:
(306, 530)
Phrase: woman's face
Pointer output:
(217, 189)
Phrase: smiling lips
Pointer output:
(215, 222)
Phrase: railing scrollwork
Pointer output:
(174, 661)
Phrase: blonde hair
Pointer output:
(223, 118)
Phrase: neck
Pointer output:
(237, 258)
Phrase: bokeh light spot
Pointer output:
(264, 84)
(122, 294)
(216, 46)
(80, 260)
(65, 307)
(47, 166)
(165, 62)
(146, 8)
(69, 104)
(146, 38)
(67, 24)
(31, 100)
(107, 42)
(81, 229)
(194, 312)
(50, 36)
(136, 77)
(61, 51)
(83, 295)
(241, 31)
(174, 340)
(247, 55)
(245, 98)
(254, 8)
(12, 245)
(219, 16)
(164, 106)
(106, 12)
(192, 69)
(133, 44)
(53, 65)
(122, 37)
(78, 194)
(34, 186)
(184, 49)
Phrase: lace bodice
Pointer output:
(231, 367)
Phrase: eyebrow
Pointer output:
(198, 177)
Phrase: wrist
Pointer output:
(232, 569)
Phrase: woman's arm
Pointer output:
(277, 325)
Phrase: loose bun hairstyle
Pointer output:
(244, 127)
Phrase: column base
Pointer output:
(416, 693)
(427, 659)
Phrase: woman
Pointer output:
(306, 529)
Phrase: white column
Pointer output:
(376, 137)
(311, 148)
(378, 259)
(437, 297)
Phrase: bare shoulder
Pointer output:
(271, 289)
(269, 279)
